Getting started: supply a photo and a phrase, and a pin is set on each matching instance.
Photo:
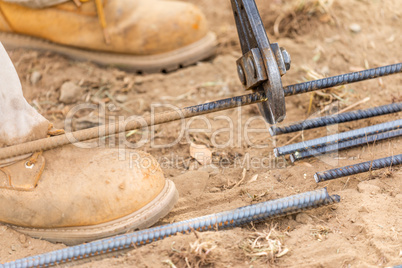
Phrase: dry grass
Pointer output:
(196, 254)
(326, 97)
(280, 19)
(320, 232)
(267, 244)
(295, 17)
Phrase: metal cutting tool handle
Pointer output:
(262, 64)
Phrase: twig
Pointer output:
(346, 183)
(294, 138)
(354, 105)
(277, 23)
(242, 179)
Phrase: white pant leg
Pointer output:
(37, 3)
(19, 121)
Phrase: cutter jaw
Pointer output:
(262, 64)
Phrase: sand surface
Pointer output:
(364, 230)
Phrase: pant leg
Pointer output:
(19, 121)
(37, 3)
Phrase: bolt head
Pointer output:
(241, 74)
(250, 64)
(286, 58)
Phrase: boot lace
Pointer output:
(101, 15)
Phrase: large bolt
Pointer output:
(241, 74)
(286, 58)
(251, 66)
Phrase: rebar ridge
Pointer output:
(136, 123)
(336, 119)
(344, 145)
(239, 216)
(343, 79)
(336, 138)
(210, 107)
(358, 168)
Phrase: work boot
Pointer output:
(69, 194)
(139, 35)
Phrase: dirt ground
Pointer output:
(324, 38)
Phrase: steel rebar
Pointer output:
(336, 119)
(215, 106)
(343, 79)
(239, 216)
(336, 138)
(345, 145)
(358, 168)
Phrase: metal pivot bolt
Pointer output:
(247, 71)
(259, 60)
(282, 58)
(250, 64)
(241, 74)
(286, 58)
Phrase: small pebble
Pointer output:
(139, 80)
(2, 229)
(303, 218)
(214, 190)
(325, 70)
(355, 28)
(192, 183)
(69, 92)
(22, 238)
(211, 169)
(367, 188)
(121, 98)
(35, 77)
(363, 209)
(127, 80)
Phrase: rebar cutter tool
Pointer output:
(262, 64)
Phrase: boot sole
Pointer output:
(165, 62)
(141, 219)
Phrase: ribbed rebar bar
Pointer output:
(358, 168)
(336, 138)
(135, 123)
(215, 106)
(345, 145)
(239, 216)
(343, 79)
(336, 119)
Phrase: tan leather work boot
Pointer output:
(139, 35)
(72, 195)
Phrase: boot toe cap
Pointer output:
(82, 187)
(163, 27)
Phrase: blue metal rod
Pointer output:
(257, 212)
(336, 119)
(345, 145)
(336, 138)
(358, 168)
